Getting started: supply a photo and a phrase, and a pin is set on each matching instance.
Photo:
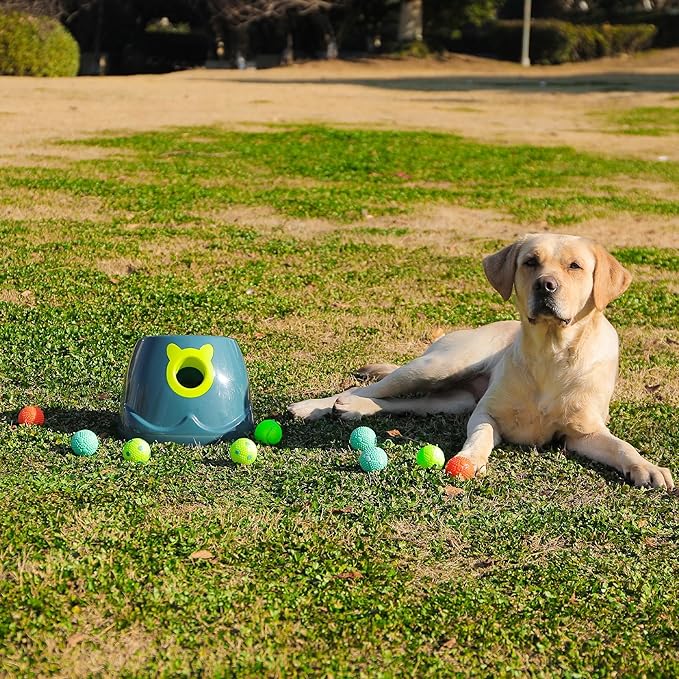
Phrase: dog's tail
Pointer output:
(374, 372)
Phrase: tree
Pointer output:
(238, 14)
(410, 21)
(244, 12)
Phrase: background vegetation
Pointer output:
(311, 246)
(131, 36)
(36, 45)
(557, 42)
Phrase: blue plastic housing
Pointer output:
(190, 389)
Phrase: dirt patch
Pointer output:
(24, 298)
(97, 648)
(454, 230)
(477, 98)
(425, 227)
(118, 268)
(653, 380)
(27, 205)
(622, 230)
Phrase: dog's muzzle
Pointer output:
(543, 301)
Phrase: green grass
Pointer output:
(653, 121)
(549, 566)
(342, 174)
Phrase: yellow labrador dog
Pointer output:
(549, 375)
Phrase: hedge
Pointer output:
(667, 25)
(556, 42)
(36, 45)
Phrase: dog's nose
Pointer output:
(546, 285)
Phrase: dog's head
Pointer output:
(557, 278)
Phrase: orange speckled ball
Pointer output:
(31, 415)
(460, 467)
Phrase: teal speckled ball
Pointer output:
(373, 460)
(431, 456)
(84, 443)
(243, 451)
(137, 450)
(363, 438)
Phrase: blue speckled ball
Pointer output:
(363, 438)
(373, 460)
(84, 443)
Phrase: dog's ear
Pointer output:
(500, 269)
(611, 278)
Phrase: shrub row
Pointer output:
(667, 25)
(556, 42)
(36, 45)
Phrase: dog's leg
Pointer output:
(421, 374)
(315, 408)
(375, 371)
(457, 402)
(482, 436)
(607, 449)
(458, 356)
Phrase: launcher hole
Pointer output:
(190, 377)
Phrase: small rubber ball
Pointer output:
(268, 432)
(31, 415)
(373, 460)
(137, 450)
(431, 456)
(460, 467)
(363, 438)
(243, 451)
(84, 443)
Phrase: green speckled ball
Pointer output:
(243, 451)
(137, 450)
(84, 443)
(268, 432)
(431, 456)
(373, 460)
(363, 438)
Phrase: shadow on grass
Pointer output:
(104, 423)
(575, 84)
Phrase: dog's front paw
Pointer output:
(351, 407)
(648, 475)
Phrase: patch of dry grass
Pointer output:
(652, 378)
(26, 205)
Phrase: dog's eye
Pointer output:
(574, 265)
(531, 262)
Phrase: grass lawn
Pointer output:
(293, 241)
(655, 121)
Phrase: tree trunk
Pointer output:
(410, 21)
(288, 56)
(329, 37)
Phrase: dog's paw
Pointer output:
(648, 475)
(313, 409)
(351, 407)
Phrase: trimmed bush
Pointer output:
(557, 42)
(667, 25)
(36, 45)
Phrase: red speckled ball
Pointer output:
(460, 467)
(31, 415)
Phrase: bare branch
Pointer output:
(61, 9)
(244, 12)
(42, 7)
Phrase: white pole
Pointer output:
(525, 43)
